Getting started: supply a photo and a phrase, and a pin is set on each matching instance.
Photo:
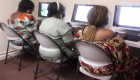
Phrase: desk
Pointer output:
(129, 43)
(132, 43)
(76, 29)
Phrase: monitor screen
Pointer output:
(80, 13)
(127, 16)
(43, 9)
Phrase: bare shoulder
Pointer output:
(102, 34)
(108, 32)
(85, 29)
(15, 15)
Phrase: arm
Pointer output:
(66, 34)
(68, 39)
(69, 44)
(30, 22)
(39, 23)
(122, 35)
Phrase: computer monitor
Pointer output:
(80, 13)
(127, 16)
(43, 9)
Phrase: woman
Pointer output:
(126, 65)
(23, 22)
(57, 30)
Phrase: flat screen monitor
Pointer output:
(80, 13)
(43, 9)
(127, 16)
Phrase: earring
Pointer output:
(28, 11)
(61, 16)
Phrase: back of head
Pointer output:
(25, 5)
(97, 17)
(52, 9)
(56, 9)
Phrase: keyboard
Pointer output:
(132, 37)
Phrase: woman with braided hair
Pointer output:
(126, 65)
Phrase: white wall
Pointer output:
(35, 13)
(7, 7)
(69, 4)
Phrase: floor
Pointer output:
(10, 71)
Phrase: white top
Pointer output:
(55, 28)
(60, 31)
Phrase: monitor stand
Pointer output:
(78, 24)
(131, 31)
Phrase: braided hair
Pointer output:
(97, 17)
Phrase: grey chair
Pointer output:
(94, 55)
(13, 35)
(48, 43)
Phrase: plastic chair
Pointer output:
(13, 35)
(92, 54)
(47, 43)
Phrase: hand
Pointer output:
(39, 21)
(122, 35)
(69, 24)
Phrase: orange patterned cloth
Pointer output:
(23, 25)
(99, 70)
(126, 65)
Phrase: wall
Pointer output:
(10, 6)
(35, 13)
(7, 7)
(69, 4)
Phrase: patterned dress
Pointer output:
(24, 24)
(126, 65)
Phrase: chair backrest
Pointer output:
(11, 34)
(45, 41)
(92, 53)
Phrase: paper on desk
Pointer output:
(133, 43)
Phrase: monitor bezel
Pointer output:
(117, 15)
(75, 10)
(39, 9)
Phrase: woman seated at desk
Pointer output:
(126, 65)
(23, 22)
(57, 30)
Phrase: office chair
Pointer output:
(92, 54)
(13, 35)
(46, 43)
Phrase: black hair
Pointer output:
(52, 9)
(25, 5)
